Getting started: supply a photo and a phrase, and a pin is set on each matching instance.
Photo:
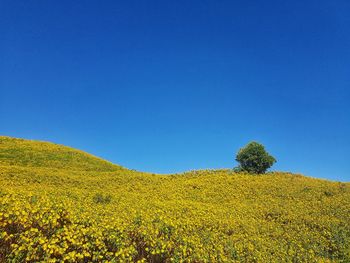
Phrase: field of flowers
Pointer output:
(58, 204)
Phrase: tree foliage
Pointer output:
(253, 158)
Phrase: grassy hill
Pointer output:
(21, 152)
(60, 204)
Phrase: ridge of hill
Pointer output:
(21, 152)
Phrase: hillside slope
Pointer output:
(22, 152)
(56, 208)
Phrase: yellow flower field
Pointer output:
(58, 204)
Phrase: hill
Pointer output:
(61, 204)
(21, 152)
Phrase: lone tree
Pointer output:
(253, 158)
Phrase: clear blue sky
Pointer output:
(170, 86)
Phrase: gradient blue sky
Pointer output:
(170, 86)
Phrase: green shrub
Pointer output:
(253, 158)
(102, 199)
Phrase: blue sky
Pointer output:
(170, 86)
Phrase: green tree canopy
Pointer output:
(253, 158)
